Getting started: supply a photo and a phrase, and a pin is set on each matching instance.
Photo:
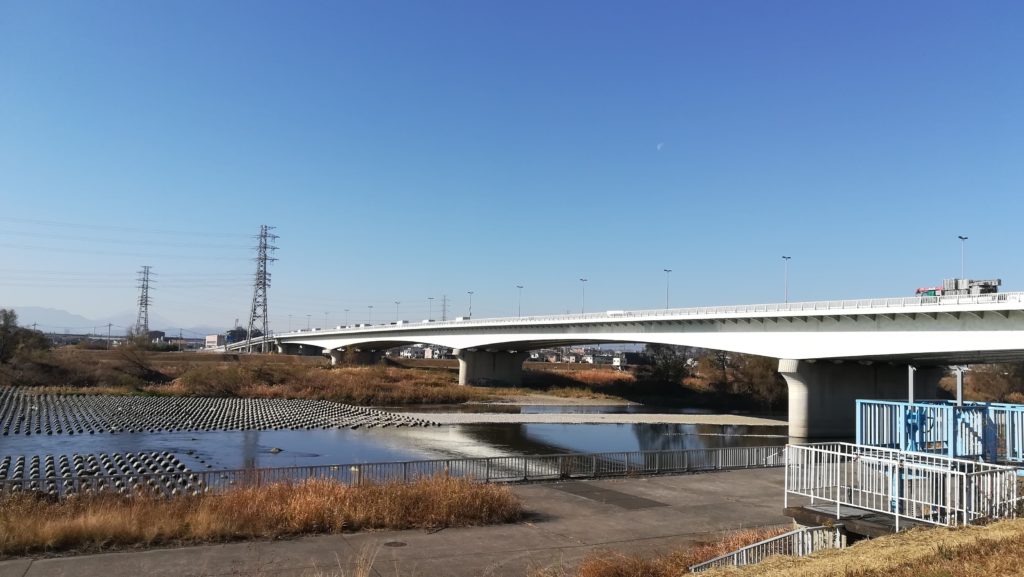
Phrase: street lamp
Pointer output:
(346, 317)
(470, 293)
(583, 294)
(369, 314)
(325, 320)
(289, 323)
(668, 272)
(962, 239)
(396, 310)
(786, 277)
(430, 307)
(307, 321)
(520, 287)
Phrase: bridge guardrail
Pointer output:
(506, 469)
(654, 314)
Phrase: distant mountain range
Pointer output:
(60, 321)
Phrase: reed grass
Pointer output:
(31, 524)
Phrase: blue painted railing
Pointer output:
(990, 432)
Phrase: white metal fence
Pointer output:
(488, 470)
(797, 543)
(921, 487)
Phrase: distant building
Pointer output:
(214, 341)
(436, 353)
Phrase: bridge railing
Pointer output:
(911, 486)
(990, 431)
(655, 314)
(506, 469)
(797, 543)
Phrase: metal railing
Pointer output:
(989, 431)
(797, 543)
(862, 305)
(488, 470)
(921, 487)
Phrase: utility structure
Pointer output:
(258, 318)
(142, 321)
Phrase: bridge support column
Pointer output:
(822, 393)
(335, 356)
(483, 367)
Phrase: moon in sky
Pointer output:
(660, 144)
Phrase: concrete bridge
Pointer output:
(831, 352)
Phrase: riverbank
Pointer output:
(89, 522)
(128, 371)
(564, 524)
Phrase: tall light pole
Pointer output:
(307, 321)
(470, 293)
(668, 272)
(369, 314)
(786, 277)
(583, 295)
(346, 317)
(290, 323)
(325, 320)
(430, 308)
(962, 239)
(396, 310)
(520, 306)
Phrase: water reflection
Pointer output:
(240, 449)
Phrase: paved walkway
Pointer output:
(567, 521)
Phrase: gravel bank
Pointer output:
(594, 418)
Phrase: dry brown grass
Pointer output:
(372, 385)
(596, 383)
(89, 523)
(285, 376)
(980, 551)
(613, 564)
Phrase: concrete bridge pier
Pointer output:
(289, 349)
(353, 356)
(822, 394)
(490, 366)
(335, 355)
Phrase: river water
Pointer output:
(282, 448)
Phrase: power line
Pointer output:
(261, 282)
(119, 228)
(63, 249)
(157, 242)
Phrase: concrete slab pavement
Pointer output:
(567, 521)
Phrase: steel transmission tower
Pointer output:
(142, 321)
(258, 318)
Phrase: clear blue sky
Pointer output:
(413, 149)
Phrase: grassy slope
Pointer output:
(98, 522)
(982, 551)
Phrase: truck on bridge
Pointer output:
(961, 286)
